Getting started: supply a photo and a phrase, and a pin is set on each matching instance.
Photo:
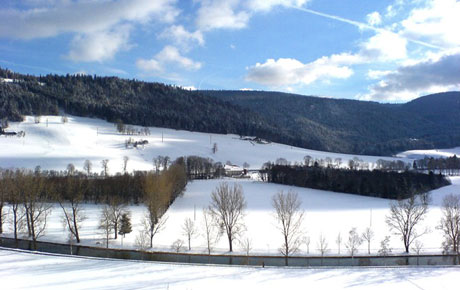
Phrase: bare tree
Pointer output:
(367, 236)
(189, 230)
(157, 197)
(105, 224)
(125, 164)
(450, 222)
(306, 241)
(322, 245)
(385, 249)
(3, 197)
(36, 210)
(417, 248)
(404, 217)
(70, 169)
(87, 166)
(105, 167)
(153, 225)
(116, 208)
(211, 232)
(338, 162)
(290, 217)
(353, 242)
(246, 247)
(166, 161)
(157, 163)
(142, 240)
(10, 184)
(307, 159)
(70, 200)
(178, 245)
(227, 206)
(338, 241)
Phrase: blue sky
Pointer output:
(386, 51)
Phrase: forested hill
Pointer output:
(345, 126)
(134, 102)
(352, 126)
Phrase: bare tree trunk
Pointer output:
(75, 225)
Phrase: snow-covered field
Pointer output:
(326, 214)
(53, 145)
(22, 270)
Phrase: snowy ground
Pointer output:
(53, 145)
(436, 153)
(23, 270)
(327, 214)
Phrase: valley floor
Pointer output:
(326, 214)
(25, 270)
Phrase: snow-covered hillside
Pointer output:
(52, 144)
(24, 270)
(436, 153)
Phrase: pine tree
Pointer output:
(125, 225)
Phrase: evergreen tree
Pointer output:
(125, 224)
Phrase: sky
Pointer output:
(385, 51)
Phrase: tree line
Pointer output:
(447, 166)
(31, 194)
(376, 183)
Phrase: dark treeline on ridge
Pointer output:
(357, 127)
(375, 183)
(338, 125)
(131, 101)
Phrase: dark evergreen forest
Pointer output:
(357, 127)
(375, 183)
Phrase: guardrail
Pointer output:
(297, 261)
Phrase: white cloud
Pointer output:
(81, 17)
(377, 74)
(170, 55)
(100, 26)
(149, 65)
(266, 5)
(408, 82)
(99, 46)
(216, 14)
(181, 37)
(374, 18)
(385, 46)
(437, 23)
(288, 71)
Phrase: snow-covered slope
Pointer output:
(23, 270)
(436, 153)
(53, 145)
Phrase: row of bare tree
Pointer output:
(226, 212)
(31, 195)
